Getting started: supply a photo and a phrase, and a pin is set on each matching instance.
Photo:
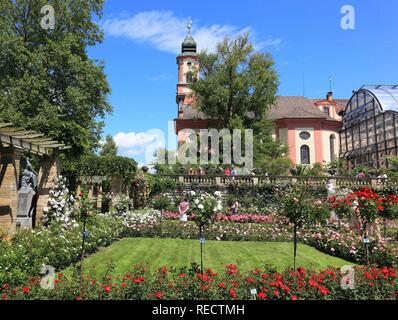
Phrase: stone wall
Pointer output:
(9, 175)
(49, 169)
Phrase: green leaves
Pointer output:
(237, 86)
(235, 81)
(109, 148)
(47, 81)
(302, 209)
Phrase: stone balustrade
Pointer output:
(319, 181)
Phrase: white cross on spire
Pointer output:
(189, 24)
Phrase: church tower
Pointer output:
(187, 62)
(188, 116)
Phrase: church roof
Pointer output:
(189, 45)
(297, 107)
(286, 107)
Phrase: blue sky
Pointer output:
(305, 38)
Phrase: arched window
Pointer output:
(305, 154)
(332, 143)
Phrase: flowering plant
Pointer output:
(390, 204)
(60, 204)
(205, 206)
(301, 209)
(341, 203)
(232, 284)
(121, 204)
(369, 203)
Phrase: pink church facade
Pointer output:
(309, 128)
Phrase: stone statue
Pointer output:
(29, 177)
(26, 196)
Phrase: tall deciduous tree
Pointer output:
(47, 81)
(235, 82)
(237, 85)
(109, 147)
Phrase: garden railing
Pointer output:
(318, 181)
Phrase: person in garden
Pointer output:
(235, 208)
(227, 173)
(183, 208)
(331, 191)
(361, 175)
(233, 173)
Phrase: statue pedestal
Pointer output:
(24, 223)
(25, 197)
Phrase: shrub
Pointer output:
(121, 204)
(162, 202)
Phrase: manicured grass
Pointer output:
(155, 253)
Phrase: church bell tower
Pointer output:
(187, 62)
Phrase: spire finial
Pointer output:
(330, 83)
(189, 24)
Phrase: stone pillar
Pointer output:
(50, 168)
(9, 178)
(90, 188)
(99, 197)
(116, 185)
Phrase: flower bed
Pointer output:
(348, 245)
(140, 284)
(239, 218)
(29, 250)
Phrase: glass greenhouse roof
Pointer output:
(386, 95)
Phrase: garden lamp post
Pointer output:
(366, 242)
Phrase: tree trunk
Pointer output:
(295, 245)
(201, 249)
(385, 227)
(365, 236)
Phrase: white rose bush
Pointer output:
(205, 206)
(60, 204)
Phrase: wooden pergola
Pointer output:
(28, 140)
(15, 140)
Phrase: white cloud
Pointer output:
(165, 31)
(139, 143)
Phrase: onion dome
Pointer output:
(189, 44)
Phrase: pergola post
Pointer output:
(116, 185)
(10, 159)
(90, 187)
(50, 169)
(99, 197)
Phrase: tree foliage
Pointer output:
(92, 165)
(109, 148)
(47, 81)
(235, 82)
(237, 85)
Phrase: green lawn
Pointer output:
(156, 253)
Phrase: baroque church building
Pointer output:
(363, 130)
